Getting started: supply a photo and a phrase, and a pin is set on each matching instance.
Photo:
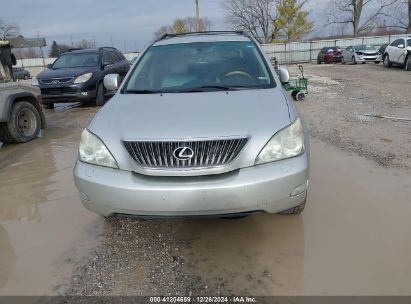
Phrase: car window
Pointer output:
(120, 56)
(73, 60)
(397, 42)
(114, 57)
(364, 47)
(408, 42)
(349, 49)
(190, 66)
(107, 57)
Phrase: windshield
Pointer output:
(364, 48)
(200, 66)
(77, 60)
(409, 42)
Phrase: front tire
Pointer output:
(318, 60)
(342, 60)
(387, 62)
(100, 95)
(354, 60)
(295, 210)
(407, 64)
(26, 77)
(24, 123)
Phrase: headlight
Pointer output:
(93, 151)
(35, 82)
(288, 142)
(83, 78)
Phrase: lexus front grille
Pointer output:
(185, 154)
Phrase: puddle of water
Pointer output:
(41, 217)
(354, 238)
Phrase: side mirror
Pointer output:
(49, 66)
(111, 81)
(401, 46)
(284, 74)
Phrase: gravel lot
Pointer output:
(340, 98)
(357, 215)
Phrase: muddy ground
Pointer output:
(354, 238)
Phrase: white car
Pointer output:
(398, 52)
(361, 53)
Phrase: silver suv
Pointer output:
(200, 126)
(398, 52)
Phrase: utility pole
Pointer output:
(41, 51)
(197, 17)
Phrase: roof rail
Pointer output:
(106, 47)
(166, 36)
(74, 49)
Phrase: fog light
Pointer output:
(299, 189)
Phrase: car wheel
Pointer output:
(24, 123)
(26, 77)
(387, 62)
(342, 60)
(295, 210)
(363, 62)
(100, 95)
(377, 62)
(300, 96)
(407, 64)
(354, 60)
(318, 60)
(49, 106)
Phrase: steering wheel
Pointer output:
(238, 73)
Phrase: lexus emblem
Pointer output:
(183, 153)
(55, 82)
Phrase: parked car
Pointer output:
(21, 73)
(200, 126)
(398, 52)
(361, 53)
(77, 76)
(329, 55)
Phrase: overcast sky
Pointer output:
(128, 24)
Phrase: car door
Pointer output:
(348, 54)
(394, 51)
(401, 51)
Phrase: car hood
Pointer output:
(66, 72)
(256, 114)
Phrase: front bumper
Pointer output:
(366, 58)
(337, 58)
(70, 93)
(262, 188)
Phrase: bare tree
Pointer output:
(184, 25)
(8, 30)
(352, 12)
(191, 24)
(254, 16)
(402, 16)
(86, 44)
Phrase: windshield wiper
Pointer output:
(141, 92)
(211, 87)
